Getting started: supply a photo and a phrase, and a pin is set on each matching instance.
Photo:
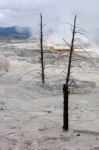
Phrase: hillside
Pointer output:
(15, 32)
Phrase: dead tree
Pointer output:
(66, 85)
(41, 47)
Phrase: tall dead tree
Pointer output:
(66, 85)
(41, 47)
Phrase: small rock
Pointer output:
(49, 112)
(61, 135)
(78, 134)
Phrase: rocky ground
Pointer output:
(31, 114)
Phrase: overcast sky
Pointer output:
(55, 12)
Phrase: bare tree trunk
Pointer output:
(41, 45)
(65, 114)
(66, 86)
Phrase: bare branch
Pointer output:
(66, 42)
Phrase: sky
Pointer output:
(56, 16)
